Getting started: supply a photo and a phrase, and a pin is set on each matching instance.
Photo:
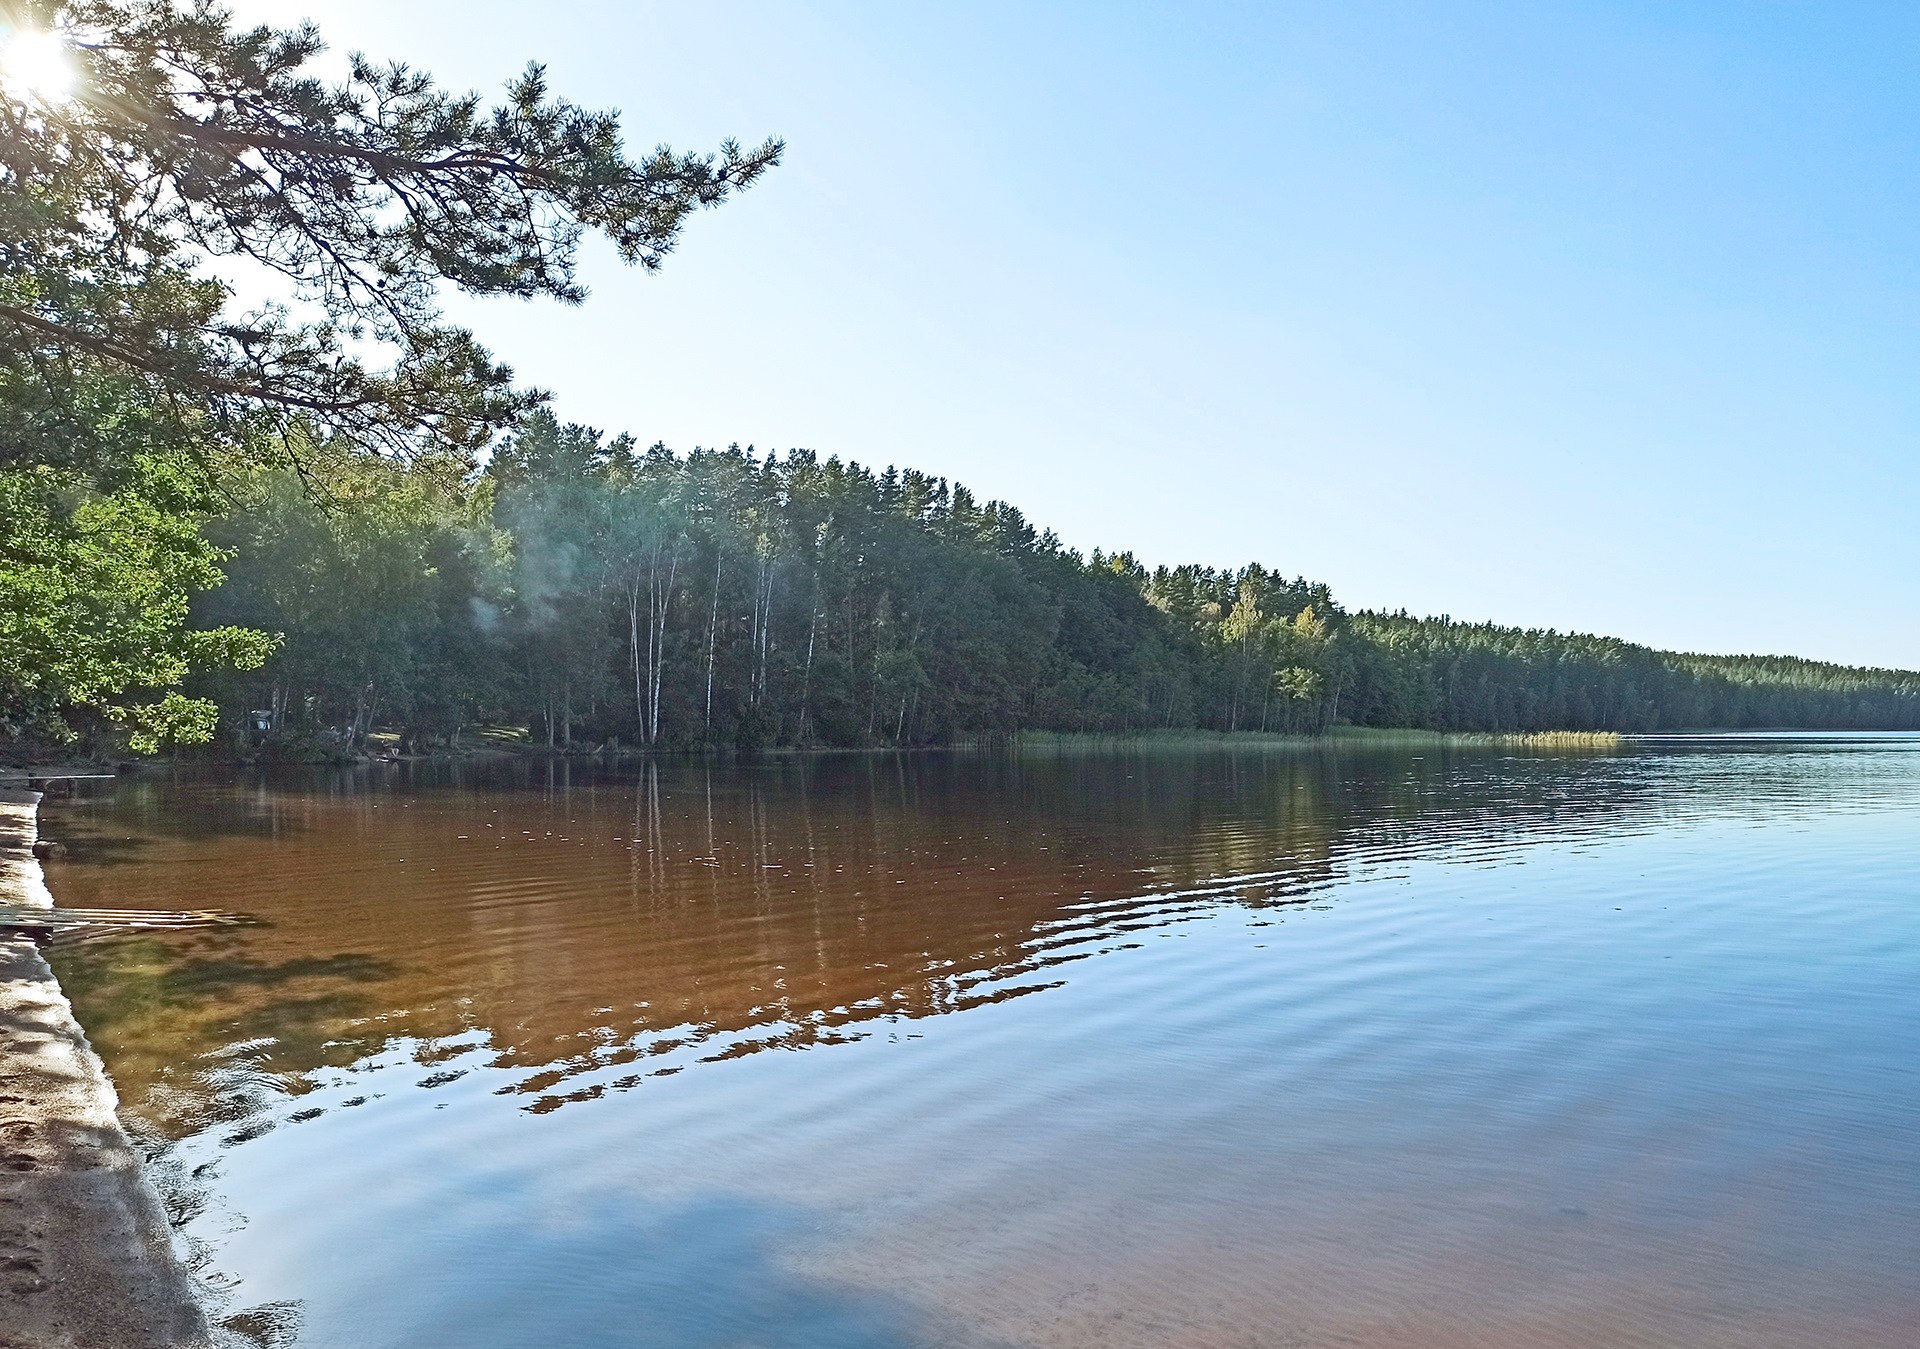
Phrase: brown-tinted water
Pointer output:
(1131, 1048)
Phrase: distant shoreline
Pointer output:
(18, 775)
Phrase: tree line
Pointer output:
(601, 593)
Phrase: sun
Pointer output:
(35, 65)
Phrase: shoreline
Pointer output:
(86, 1253)
(1340, 737)
(1337, 737)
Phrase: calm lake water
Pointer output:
(1222, 1048)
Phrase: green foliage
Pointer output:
(188, 137)
(1298, 684)
(596, 590)
(377, 589)
(130, 391)
(1484, 677)
(94, 594)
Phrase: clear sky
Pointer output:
(1593, 316)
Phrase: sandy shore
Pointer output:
(86, 1257)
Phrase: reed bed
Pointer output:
(1339, 737)
(1412, 738)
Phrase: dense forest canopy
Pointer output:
(597, 590)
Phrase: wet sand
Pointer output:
(86, 1256)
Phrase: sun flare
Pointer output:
(35, 65)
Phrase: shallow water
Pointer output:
(1259, 1047)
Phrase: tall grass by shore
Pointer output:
(1592, 740)
(1338, 737)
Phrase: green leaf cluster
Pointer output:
(94, 594)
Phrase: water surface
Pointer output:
(1212, 1048)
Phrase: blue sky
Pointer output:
(1585, 316)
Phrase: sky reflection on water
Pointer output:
(1257, 1047)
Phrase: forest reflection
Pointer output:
(579, 928)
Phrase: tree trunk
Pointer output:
(713, 636)
(632, 634)
(806, 677)
(766, 633)
(659, 597)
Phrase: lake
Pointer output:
(1207, 1046)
